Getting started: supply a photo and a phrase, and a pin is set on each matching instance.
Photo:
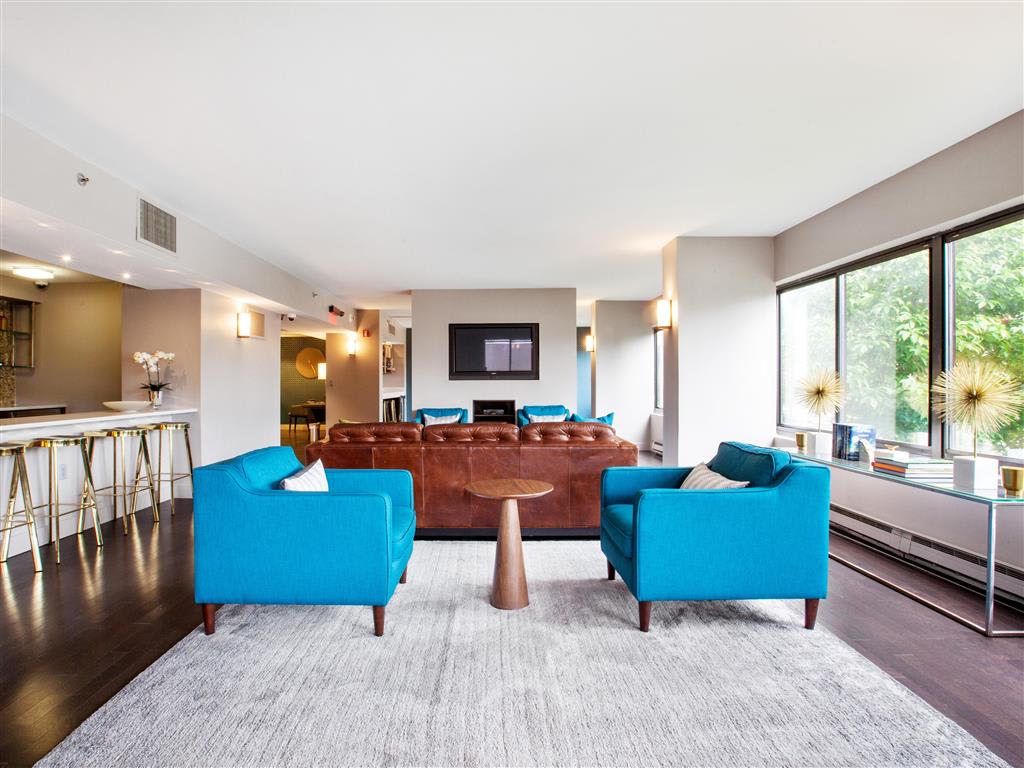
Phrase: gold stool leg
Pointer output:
(159, 465)
(30, 519)
(118, 489)
(54, 506)
(91, 489)
(87, 455)
(170, 468)
(135, 479)
(153, 499)
(188, 452)
(9, 517)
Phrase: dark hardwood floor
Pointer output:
(75, 635)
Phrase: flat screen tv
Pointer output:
(493, 351)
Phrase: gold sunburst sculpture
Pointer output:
(821, 392)
(977, 393)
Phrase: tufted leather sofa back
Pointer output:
(477, 432)
(568, 432)
(401, 432)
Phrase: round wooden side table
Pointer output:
(509, 586)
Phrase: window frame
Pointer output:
(940, 318)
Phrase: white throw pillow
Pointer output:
(702, 478)
(311, 478)
(536, 417)
(429, 420)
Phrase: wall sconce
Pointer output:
(251, 325)
(588, 342)
(321, 371)
(663, 314)
(244, 324)
(353, 341)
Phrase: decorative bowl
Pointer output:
(127, 405)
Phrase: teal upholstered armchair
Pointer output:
(768, 540)
(256, 544)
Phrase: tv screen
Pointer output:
(493, 351)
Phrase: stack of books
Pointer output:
(915, 468)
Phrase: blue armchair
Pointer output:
(768, 540)
(462, 413)
(523, 414)
(256, 544)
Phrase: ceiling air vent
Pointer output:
(157, 227)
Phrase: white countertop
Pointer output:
(62, 420)
(389, 392)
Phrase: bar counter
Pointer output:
(30, 427)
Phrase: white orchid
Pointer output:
(150, 362)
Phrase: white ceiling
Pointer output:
(380, 148)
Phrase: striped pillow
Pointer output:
(537, 418)
(311, 478)
(702, 478)
(428, 419)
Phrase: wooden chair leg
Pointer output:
(645, 615)
(810, 612)
(611, 571)
(405, 576)
(209, 617)
(378, 620)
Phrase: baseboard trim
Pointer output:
(491, 534)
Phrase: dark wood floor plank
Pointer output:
(74, 636)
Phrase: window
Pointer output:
(886, 348)
(988, 317)
(901, 317)
(807, 334)
(659, 370)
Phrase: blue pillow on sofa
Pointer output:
(606, 419)
(524, 413)
(757, 465)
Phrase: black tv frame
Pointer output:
(531, 375)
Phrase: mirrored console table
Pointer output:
(993, 499)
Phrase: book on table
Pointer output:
(923, 467)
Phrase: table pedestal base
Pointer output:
(509, 588)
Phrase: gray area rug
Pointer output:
(567, 681)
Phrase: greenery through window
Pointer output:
(886, 343)
(988, 317)
(886, 327)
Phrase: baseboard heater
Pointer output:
(916, 540)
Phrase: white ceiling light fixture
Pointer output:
(66, 258)
(33, 273)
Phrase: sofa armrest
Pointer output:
(743, 543)
(396, 483)
(620, 485)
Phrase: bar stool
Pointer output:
(53, 503)
(19, 478)
(169, 428)
(118, 437)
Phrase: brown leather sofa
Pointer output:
(443, 458)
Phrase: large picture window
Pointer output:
(901, 317)
(988, 317)
(886, 344)
(807, 322)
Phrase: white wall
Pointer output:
(354, 380)
(622, 366)
(240, 383)
(981, 174)
(720, 356)
(553, 308)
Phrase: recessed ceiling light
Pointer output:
(119, 253)
(33, 273)
(66, 258)
(165, 269)
(44, 225)
(126, 275)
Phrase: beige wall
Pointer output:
(720, 354)
(553, 308)
(77, 345)
(622, 366)
(981, 174)
(162, 320)
(354, 381)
